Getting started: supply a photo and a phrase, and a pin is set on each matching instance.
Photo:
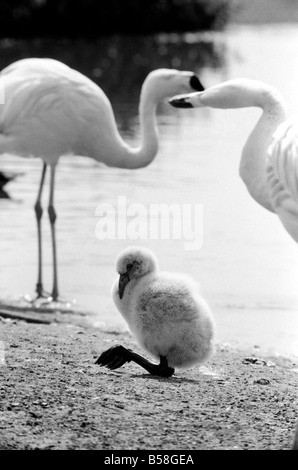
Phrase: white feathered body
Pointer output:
(52, 110)
(282, 172)
(168, 317)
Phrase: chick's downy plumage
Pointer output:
(165, 311)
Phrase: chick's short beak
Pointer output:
(123, 281)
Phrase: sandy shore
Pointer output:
(53, 396)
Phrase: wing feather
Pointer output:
(282, 173)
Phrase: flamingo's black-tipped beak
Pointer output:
(180, 102)
(196, 84)
(123, 281)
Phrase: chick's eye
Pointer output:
(129, 266)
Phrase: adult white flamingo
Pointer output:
(269, 161)
(51, 110)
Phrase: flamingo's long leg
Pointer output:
(52, 217)
(38, 213)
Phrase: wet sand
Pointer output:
(53, 396)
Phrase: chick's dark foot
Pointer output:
(114, 357)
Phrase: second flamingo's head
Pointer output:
(231, 94)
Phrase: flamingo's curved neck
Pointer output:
(139, 157)
(254, 157)
(149, 130)
(243, 93)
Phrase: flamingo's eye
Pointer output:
(129, 266)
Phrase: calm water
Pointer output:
(248, 264)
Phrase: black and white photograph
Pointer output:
(148, 227)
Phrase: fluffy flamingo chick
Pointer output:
(164, 311)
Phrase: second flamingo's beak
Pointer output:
(188, 100)
(123, 281)
(180, 101)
